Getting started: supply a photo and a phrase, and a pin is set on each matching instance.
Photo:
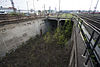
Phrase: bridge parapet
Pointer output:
(57, 18)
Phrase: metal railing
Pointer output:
(91, 38)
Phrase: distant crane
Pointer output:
(96, 6)
(13, 5)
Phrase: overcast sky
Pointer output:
(65, 4)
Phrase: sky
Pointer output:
(39, 4)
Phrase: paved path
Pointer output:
(80, 47)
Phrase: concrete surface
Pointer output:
(13, 35)
(76, 59)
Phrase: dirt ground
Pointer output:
(51, 49)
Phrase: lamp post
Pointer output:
(90, 6)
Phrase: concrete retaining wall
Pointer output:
(12, 35)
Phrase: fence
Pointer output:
(91, 37)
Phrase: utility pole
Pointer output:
(59, 8)
(90, 6)
(55, 9)
(44, 9)
(13, 5)
(59, 14)
(33, 6)
(27, 7)
(49, 9)
(59, 5)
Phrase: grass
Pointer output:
(66, 15)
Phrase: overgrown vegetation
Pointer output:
(16, 14)
(61, 35)
(50, 50)
(66, 15)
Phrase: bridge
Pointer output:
(56, 18)
(86, 41)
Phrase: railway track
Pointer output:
(14, 21)
(93, 21)
(91, 25)
(94, 17)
